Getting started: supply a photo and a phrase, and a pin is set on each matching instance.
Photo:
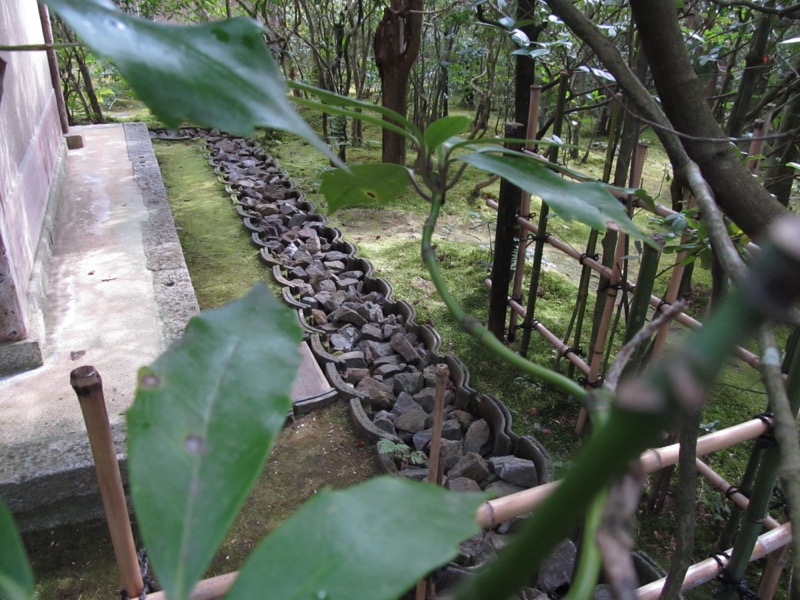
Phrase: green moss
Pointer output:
(222, 261)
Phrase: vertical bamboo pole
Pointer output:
(762, 492)
(596, 352)
(425, 588)
(542, 224)
(524, 211)
(776, 561)
(507, 209)
(88, 387)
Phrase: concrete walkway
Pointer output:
(117, 293)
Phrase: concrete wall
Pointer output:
(30, 139)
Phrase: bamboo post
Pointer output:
(88, 387)
(746, 487)
(508, 208)
(542, 234)
(776, 561)
(596, 352)
(762, 492)
(434, 467)
(425, 587)
(524, 212)
(579, 311)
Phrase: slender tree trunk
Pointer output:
(754, 65)
(397, 41)
(525, 66)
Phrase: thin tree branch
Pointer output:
(767, 10)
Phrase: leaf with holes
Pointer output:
(204, 419)
(587, 202)
(218, 74)
(370, 542)
(364, 184)
(16, 577)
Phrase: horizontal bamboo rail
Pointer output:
(501, 509)
(554, 340)
(706, 570)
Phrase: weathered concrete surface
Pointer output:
(118, 291)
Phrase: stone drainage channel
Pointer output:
(382, 361)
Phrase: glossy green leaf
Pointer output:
(16, 577)
(204, 419)
(587, 202)
(217, 74)
(370, 542)
(443, 129)
(364, 184)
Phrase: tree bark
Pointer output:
(525, 66)
(778, 177)
(397, 41)
(738, 194)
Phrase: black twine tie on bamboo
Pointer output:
(766, 439)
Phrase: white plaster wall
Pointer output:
(30, 136)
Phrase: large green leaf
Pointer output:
(364, 184)
(443, 129)
(216, 74)
(201, 427)
(16, 577)
(587, 202)
(371, 542)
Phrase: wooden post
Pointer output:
(504, 243)
(524, 211)
(425, 588)
(538, 251)
(89, 388)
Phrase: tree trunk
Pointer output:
(682, 96)
(525, 66)
(754, 66)
(397, 41)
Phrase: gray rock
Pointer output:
(429, 373)
(380, 396)
(374, 313)
(375, 350)
(343, 339)
(327, 286)
(421, 439)
(411, 383)
(425, 398)
(371, 332)
(412, 421)
(513, 469)
(475, 551)
(389, 329)
(462, 484)
(403, 347)
(555, 573)
(451, 430)
(501, 488)
(464, 418)
(472, 466)
(354, 360)
(391, 359)
(415, 473)
(388, 370)
(355, 375)
(334, 301)
(450, 453)
(343, 314)
(405, 403)
(334, 265)
(478, 437)
(383, 421)
(347, 282)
